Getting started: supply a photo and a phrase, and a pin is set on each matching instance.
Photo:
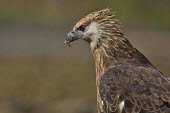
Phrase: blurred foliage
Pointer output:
(51, 86)
(135, 13)
(38, 86)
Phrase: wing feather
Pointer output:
(143, 89)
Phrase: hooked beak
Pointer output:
(72, 36)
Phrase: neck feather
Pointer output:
(110, 46)
(110, 50)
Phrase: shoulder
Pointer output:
(128, 73)
(135, 70)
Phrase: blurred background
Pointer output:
(41, 74)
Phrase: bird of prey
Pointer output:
(126, 80)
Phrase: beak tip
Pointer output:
(67, 42)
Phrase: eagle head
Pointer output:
(95, 28)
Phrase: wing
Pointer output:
(135, 89)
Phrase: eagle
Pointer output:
(126, 81)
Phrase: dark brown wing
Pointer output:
(142, 89)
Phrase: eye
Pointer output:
(81, 28)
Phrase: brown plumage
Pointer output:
(126, 81)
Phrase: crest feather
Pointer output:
(95, 16)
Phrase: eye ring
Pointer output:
(81, 28)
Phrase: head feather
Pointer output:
(98, 16)
(109, 32)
